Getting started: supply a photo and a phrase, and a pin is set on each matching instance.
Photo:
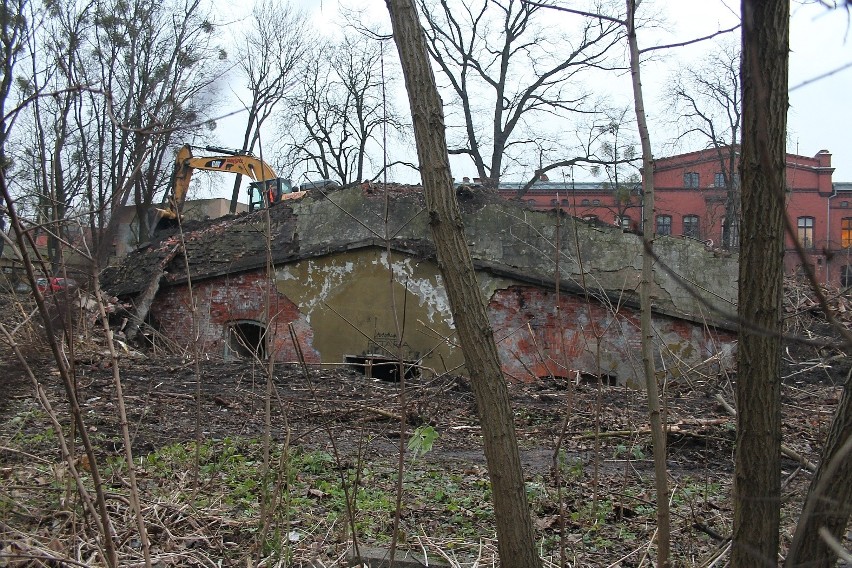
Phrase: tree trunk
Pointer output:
(757, 471)
(829, 502)
(516, 539)
(658, 434)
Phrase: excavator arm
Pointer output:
(266, 190)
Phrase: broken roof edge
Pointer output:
(417, 248)
(424, 250)
(620, 297)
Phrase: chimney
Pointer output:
(824, 157)
(465, 179)
(543, 177)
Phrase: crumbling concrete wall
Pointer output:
(378, 303)
(689, 280)
(356, 274)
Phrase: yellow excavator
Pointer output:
(265, 190)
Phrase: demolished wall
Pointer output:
(351, 291)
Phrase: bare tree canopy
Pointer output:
(338, 116)
(706, 104)
(511, 75)
(131, 78)
(268, 53)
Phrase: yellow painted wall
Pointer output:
(355, 307)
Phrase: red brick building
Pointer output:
(690, 201)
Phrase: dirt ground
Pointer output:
(600, 431)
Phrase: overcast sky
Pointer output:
(819, 117)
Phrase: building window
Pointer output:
(719, 179)
(624, 222)
(585, 202)
(664, 224)
(596, 202)
(554, 202)
(531, 201)
(805, 229)
(734, 240)
(690, 226)
(844, 204)
(691, 179)
(846, 275)
(566, 202)
(846, 232)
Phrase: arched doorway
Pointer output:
(245, 339)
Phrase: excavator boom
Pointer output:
(266, 190)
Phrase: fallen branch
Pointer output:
(785, 449)
(679, 427)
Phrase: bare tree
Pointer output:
(516, 539)
(509, 73)
(828, 505)
(47, 160)
(268, 54)
(658, 434)
(757, 471)
(15, 32)
(707, 101)
(620, 171)
(341, 110)
(155, 62)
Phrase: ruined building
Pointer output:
(350, 276)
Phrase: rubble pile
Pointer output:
(803, 305)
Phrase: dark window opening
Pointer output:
(382, 368)
(690, 226)
(246, 340)
(846, 276)
(592, 379)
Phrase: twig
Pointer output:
(835, 545)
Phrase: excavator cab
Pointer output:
(268, 192)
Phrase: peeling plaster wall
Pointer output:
(536, 339)
(506, 239)
(361, 302)
(356, 275)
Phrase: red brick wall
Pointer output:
(534, 339)
(234, 298)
